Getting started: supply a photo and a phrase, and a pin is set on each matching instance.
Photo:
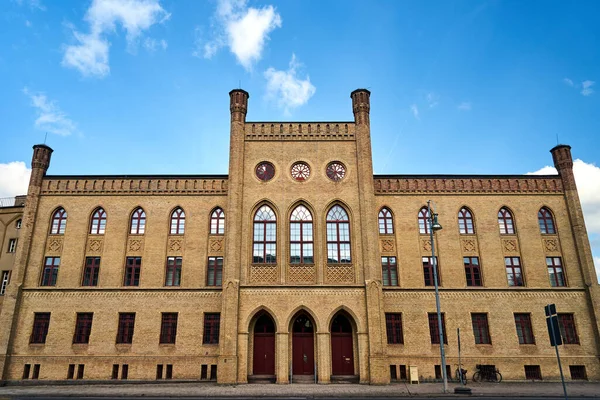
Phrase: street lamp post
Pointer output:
(435, 226)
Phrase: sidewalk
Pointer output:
(212, 390)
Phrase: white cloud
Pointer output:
(465, 106)
(50, 118)
(568, 82)
(587, 177)
(415, 111)
(586, 87)
(241, 28)
(290, 90)
(433, 99)
(152, 44)
(90, 55)
(14, 178)
(33, 4)
(28, 23)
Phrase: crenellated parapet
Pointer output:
(84, 185)
(299, 131)
(517, 184)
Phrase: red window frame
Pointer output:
(386, 222)
(428, 271)
(514, 269)
(338, 221)
(472, 271)
(389, 271)
(546, 221)
(168, 328)
(568, 330)
(214, 272)
(91, 271)
(177, 222)
(466, 226)
(212, 322)
(83, 328)
(173, 271)
(481, 329)
(133, 267)
(434, 330)
(524, 328)
(301, 218)
(50, 274)
(59, 222)
(217, 222)
(126, 328)
(41, 322)
(98, 225)
(506, 223)
(265, 221)
(393, 327)
(138, 222)
(423, 219)
(556, 271)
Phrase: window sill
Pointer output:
(166, 345)
(80, 345)
(37, 344)
(210, 344)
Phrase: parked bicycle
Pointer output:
(487, 373)
(461, 375)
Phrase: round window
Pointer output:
(265, 171)
(336, 171)
(300, 171)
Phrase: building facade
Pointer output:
(11, 213)
(299, 265)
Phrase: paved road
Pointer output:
(294, 398)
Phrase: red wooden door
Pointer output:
(342, 349)
(264, 347)
(303, 347)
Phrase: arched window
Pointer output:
(465, 221)
(59, 222)
(177, 222)
(338, 236)
(138, 222)
(546, 221)
(505, 222)
(301, 236)
(424, 220)
(264, 247)
(98, 222)
(18, 223)
(217, 222)
(386, 225)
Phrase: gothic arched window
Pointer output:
(338, 236)
(424, 220)
(59, 222)
(98, 225)
(217, 222)
(264, 246)
(465, 221)
(138, 222)
(386, 224)
(301, 236)
(177, 222)
(546, 221)
(505, 222)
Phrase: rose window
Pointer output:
(300, 171)
(265, 171)
(336, 171)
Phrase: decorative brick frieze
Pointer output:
(264, 274)
(54, 245)
(135, 245)
(340, 274)
(299, 131)
(95, 245)
(387, 245)
(216, 244)
(306, 274)
(551, 245)
(175, 245)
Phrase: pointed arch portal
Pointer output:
(342, 348)
(303, 346)
(264, 346)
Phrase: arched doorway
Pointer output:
(263, 360)
(303, 346)
(342, 348)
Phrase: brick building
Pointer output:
(300, 262)
(11, 213)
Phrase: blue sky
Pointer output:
(140, 86)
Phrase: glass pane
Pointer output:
(331, 232)
(307, 232)
(295, 231)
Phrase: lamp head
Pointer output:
(435, 225)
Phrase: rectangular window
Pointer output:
(50, 274)
(125, 371)
(168, 328)
(91, 271)
(125, 330)
(133, 266)
(555, 271)
(566, 323)
(83, 328)
(211, 328)
(169, 371)
(5, 281)
(472, 271)
(41, 321)
(115, 371)
(80, 369)
(214, 273)
(71, 371)
(27, 371)
(203, 372)
(428, 271)
(578, 372)
(393, 325)
(524, 329)
(434, 328)
(533, 372)
(173, 275)
(514, 274)
(213, 372)
(389, 271)
(159, 371)
(12, 245)
(36, 371)
(481, 330)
